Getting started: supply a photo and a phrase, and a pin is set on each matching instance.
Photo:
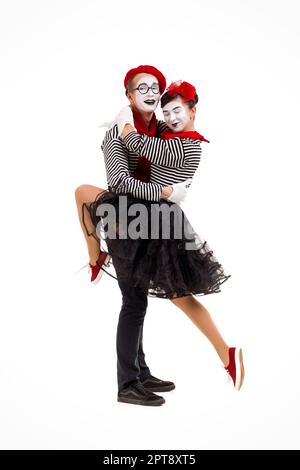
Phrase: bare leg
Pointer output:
(87, 194)
(202, 319)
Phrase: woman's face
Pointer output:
(177, 115)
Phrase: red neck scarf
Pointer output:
(183, 135)
(143, 169)
(141, 126)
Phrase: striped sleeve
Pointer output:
(174, 153)
(117, 171)
(161, 127)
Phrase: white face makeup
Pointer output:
(147, 102)
(176, 116)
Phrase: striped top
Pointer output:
(172, 161)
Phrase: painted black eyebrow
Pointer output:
(172, 109)
(143, 83)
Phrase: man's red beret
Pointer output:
(146, 69)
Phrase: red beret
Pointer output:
(184, 89)
(146, 69)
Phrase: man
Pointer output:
(128, 172)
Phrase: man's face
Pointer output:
(144, 92)
(176, 114)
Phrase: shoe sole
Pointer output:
(132, 401)
(161, 389)
(240, 371)
(100, 274)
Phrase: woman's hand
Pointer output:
(127, 129)
(124, 117)
(166, 192)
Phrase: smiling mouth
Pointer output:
(175, 124)
(150, 102)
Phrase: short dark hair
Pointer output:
(129, 85)
(165, 99)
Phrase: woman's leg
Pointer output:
(202, 319)
(87, 194)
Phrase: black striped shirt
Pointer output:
(172, 161)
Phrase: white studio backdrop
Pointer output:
(62, 68)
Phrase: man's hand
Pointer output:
(124, 117)
(179, 191)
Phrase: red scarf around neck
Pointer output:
(141, 126)
(183, 135)
(143, 169)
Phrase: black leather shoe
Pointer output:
(152, 384)
(136, 394)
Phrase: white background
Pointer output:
(62, 68)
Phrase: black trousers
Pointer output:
(131, 363)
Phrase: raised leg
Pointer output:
(86, 194)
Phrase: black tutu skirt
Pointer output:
(154, 247)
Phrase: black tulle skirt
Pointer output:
(154, 247)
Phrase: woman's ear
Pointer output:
(193, 113)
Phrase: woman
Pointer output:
(182, 265)
(176, 267)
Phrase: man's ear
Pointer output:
(193, 111)
(129, 96)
